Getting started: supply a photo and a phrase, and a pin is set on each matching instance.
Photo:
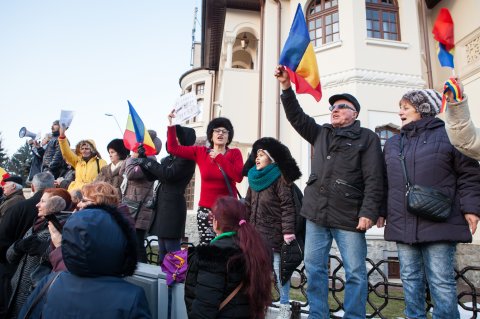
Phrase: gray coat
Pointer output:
(346, 182)
(431, 160)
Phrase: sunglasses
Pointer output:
(341, 106)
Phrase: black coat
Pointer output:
(347, 170)
(208, 282)
(170, 214)
(431, 160)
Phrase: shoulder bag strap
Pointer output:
(39, 297)
(402, 160)
(230, 296)
(226, 181)
(98, 166)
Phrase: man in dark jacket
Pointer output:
(53, 161)
(15, 223)
(342, 199)
(13, 193)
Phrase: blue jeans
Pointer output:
(353, 249)
(432, 263)
(285, 289)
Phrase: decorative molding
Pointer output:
(468, 49)
(195, 77)
(372, 77)
(473, 50)
(387, 43)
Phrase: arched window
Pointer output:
(382, 19)
(384, 132)
(322, 19)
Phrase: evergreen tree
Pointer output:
(3, 154)
(19, 164)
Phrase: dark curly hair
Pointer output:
(220, 122)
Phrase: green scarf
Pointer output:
(263, 178)
(225, 234)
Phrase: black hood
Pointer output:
(186, 136)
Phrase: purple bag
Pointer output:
(175, 265)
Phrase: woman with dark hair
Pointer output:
(423, 155)
(113, 172)
(231, 277)
(218, 166)
(99, 252)
(170, 209)
(31, 253)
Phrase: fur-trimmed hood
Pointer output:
(280, 153)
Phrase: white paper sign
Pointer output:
(186, 107)
(66, 118)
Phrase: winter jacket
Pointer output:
(36, 161)
(213, 183)
(85, 172)
(461, 130)
(431, 160)
(115, 177)
(11, 200)
(53, 161)
(208, 283)
(346, 180)
(173, 174)
(272, 211)
(95, 250)
(30, 269)
(139, 188)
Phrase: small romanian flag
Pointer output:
(443, 33)
(136, 133)
(3, 175)
(299, 58)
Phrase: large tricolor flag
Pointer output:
(136, 133)
(443, 33)
(299, 58)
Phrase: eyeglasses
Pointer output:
(341, 106)
(220, 131)
(85, 149)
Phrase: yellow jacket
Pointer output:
(85, 172)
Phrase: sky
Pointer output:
(91, 56)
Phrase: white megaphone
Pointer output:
(26, 133)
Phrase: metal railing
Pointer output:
(381, 290)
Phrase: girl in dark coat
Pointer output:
(271, 171)
(426, 248)
(235, 264)
(170, 211)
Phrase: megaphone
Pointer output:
(26, 133)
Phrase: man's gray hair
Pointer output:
(43, 181)
(18, 186)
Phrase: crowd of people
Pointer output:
(65, 250)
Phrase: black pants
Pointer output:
(141, 251)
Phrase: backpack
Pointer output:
(300, 221)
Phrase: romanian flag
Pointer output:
(299, 58)
(136, 133)
(443, 33)
(3, 175)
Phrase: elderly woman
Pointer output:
(220, 168)
(31, 252)
(426, 248)
(86, 160)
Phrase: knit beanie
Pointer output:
(118, 146)
(427, 102)
(156, 141)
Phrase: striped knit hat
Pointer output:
(427, 102)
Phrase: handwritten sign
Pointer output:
(186, 107)
(66, 118)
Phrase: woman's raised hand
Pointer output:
(171, 116)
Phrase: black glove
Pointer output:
(141, 151)
(38, 247)
(24, 244)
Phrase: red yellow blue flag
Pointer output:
(136, 134)
(453, 86)
(3, 175)
(299, 58)
(443, 33)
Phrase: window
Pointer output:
(386, 131)
(200, 88)
(190, 193)
(382, 19)
(322, 19)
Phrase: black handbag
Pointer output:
(424, 201)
